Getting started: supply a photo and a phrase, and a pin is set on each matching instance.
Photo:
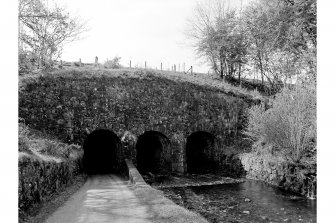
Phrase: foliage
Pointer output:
(45, 166)
(27, 62)
(279, 46)
(77, 64)
(218, 37)
(40, 179)
(43, 30)
(277, 171)
(276, 38)
(36, 142)
(23, 137)
(289, 125)
(113, 64)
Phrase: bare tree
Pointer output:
(202, 30)
(44, 28)
(218, 37)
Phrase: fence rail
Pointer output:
(96, 63)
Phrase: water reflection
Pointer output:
(266, 200)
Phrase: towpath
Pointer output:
(109, 198)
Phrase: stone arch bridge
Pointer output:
(164, 125)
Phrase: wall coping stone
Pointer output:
(134, 176)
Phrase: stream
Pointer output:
(251, 201)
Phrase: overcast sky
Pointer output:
(137, 30)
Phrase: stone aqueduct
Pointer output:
(103, 149)
(159, 124)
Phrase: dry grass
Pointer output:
(44, 146)
(289, 125)
(201, 79)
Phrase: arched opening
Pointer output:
(153, 149)
(199, 152)
(101, 152)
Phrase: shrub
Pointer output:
(23, 137)
(76, 64)
(289, 125)
(27, 62)
(113, 64)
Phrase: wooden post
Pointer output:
(145, 65)
(130, 64)
(191, 70)
(161, 66)
(61, 64)
(178, 67)
(96, 61)
(184, 67)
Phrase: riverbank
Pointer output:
(275, 170)
(178, 180)
(251, 201)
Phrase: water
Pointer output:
(251, 201)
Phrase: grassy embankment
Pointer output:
(46, 166)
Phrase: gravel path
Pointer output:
(108, 198)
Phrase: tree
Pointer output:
(217, 37)
(282, 37)
(276, 37)
(44, 29)
(260, 32)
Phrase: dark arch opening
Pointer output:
(101, 152)
(152, 148)
(199, 152)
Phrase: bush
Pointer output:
(77, 64)
(113, 64)
(289, 125)
(39, 180)
(27, 62)
(23, 137)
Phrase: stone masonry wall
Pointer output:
(40, 179)
(70, 105)
(299, 178)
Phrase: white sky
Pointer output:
(136, 30)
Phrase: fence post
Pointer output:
(184, 67)
(161, 66)
(80, 62)
(61, 64)
(145, 65)
(178, 67)
(130, 64)
(191, 70)
(96, 61)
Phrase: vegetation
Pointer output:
(39, 144)
(44, 28)
(289, 126)
(113, 64)
(275, 38)
(46, 165)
